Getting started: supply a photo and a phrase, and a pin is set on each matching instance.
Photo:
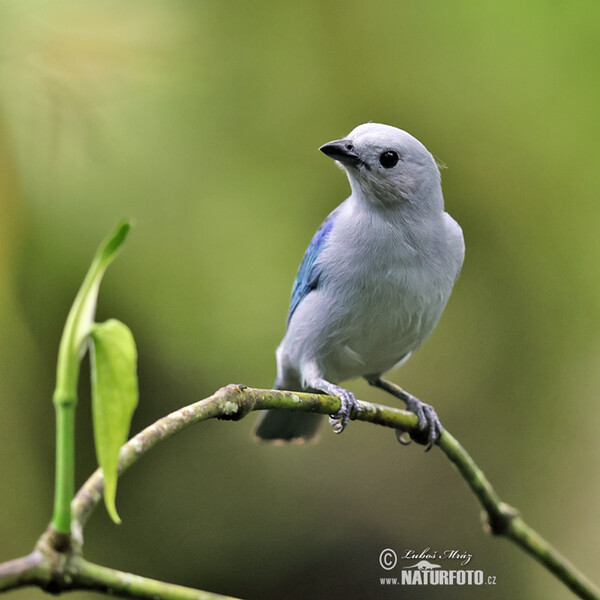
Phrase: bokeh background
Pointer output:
(200, 121)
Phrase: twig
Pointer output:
(56, 568)
(89, 576)
(234, 402)
(505, 520)
(23, 571)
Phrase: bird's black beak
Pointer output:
(342, 151)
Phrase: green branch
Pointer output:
(234, 402)
(76, 573)
(89, 576)
(56, 568)
(505, 520)
(66, 569)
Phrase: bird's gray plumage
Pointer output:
(376, 277)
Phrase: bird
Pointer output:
(372, 284)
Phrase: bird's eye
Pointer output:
(389, 159)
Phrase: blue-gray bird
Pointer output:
(373, 282)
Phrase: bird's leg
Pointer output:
(430, 427)
(348, 410)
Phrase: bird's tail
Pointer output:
(294, 426)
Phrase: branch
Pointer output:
(503, 519)
(233, 403)
(89, 576)
(229, 403)
(20, 572)
(56, 565)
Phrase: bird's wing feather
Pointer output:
(309, 272)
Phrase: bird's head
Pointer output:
(388, 166)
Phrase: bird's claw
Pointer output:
(403, 437)
(429, 425)
(349, 410)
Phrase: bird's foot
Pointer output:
(430, 427)
(348, 410)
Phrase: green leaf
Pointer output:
(73, 344)
(81, 316)
(114, 398)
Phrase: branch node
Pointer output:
(53, 541)
(237, 402)
(498, 520)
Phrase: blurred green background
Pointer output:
(201, 121)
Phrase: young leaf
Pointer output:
(81, 316)
(114, 398)
(73, 344)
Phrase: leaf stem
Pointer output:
(65, 463)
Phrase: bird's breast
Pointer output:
(381, 314)
(381, 291)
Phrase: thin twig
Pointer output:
(57, 566)
(89, 576)
(505, 520)
(234, 402)
(23, 571)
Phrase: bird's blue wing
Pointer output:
(309, 272)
